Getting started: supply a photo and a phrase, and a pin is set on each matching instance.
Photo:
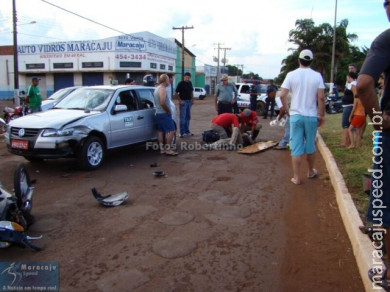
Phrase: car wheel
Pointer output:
(260, 108)
(202, 97)
(91, 154)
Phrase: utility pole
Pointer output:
(218, 69)
(182, 47)
(224, 55)
(242, 70)
(333, 49)
(16, 69)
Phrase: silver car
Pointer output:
(56, 97)
(85, 124)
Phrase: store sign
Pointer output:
(130, 46)
(71, 47)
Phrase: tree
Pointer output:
(251, 76)
(234, 71)
(319, 39)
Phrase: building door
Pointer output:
(62, 80)
(92, 78)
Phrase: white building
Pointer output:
(73, 63)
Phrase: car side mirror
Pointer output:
(120, 108)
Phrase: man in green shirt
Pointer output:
(34, 98)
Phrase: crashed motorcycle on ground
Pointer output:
(3, 126)
(15, 212)
(10, 113)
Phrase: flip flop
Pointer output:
(365, 229)
(314, 175)
(159, 173)
(171, 153)
(295, 182)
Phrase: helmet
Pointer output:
(149, 80)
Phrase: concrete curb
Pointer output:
(361, 244)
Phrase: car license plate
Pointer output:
(242, 103)
(19, 144)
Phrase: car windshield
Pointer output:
(58, 94)
(87, 99)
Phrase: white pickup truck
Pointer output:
(243, 99)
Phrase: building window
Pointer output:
(162, 66)
(35, 66)
(153, 65)
(130, 64)
(170, 68)
(92, 64)
(62, 65)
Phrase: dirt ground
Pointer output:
(219, 221)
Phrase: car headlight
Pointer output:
(57, 133)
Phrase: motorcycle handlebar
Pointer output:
(26, 243)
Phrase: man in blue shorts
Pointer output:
(306, 112)
(378, 61)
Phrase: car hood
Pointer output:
(55, 118)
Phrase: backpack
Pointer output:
(210, 136)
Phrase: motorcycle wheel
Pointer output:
(3, 127)
(22, 188)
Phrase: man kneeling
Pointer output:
(226, 124)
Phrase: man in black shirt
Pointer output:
(184, 93)
(378, 61)
(253, 96)
(270, 101)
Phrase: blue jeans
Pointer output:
(286, 138)
(185, 117)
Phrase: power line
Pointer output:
(93, 21)
(88, 19)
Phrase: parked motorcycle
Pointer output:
(15, 212)
(17, 112)
(333, 104)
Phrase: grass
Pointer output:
(352, 163)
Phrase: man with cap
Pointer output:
(307, 112)
(270, 101)
(225, 96)
(34, 98)
(250, 123)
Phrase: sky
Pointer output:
(254, 31)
